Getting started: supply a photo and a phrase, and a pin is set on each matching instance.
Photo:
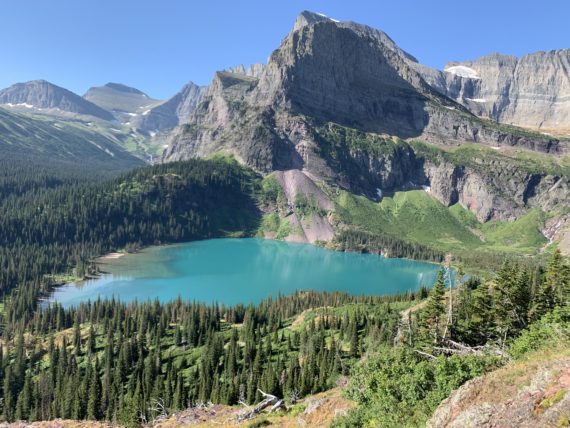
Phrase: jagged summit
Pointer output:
(173, 112)
(328, 97)
(308, 18)
(329, 71)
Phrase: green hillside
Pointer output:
(417, 217)
(50, 140)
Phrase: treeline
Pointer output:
(361, 241)
(130, 362)
(55, 229)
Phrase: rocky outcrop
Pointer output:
(254, 70)
(523, 394)
(532, 91)
(42, 95)
(173, 112)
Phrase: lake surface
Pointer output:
(245, 270)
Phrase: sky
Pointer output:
(158, 46)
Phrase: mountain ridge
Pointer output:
(42, 95)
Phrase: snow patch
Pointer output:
(19, 105)
(144, 113)
(132, 114)
(152, 133)
(477, 100)
(328, 17)
(496, 148)
(427, 189)
(462, 71)
(379, 193)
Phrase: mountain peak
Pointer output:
(308, 18)
(124, 88)
(41, 94)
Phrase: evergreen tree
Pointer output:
(435, 307)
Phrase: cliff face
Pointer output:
(331, 102)
(532, 92)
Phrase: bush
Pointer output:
(399, 388)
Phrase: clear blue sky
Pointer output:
(157, 46)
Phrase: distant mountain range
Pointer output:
(41, 95)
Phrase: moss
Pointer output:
(552, 400)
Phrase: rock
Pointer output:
(330, 103)
(532, 91)
(172, 112)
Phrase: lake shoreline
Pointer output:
(232, 270)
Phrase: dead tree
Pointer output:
(269, 401)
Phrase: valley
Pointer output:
(358, 238)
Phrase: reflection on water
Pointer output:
(245, 270)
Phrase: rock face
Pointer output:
(531, 394)
(254, 70)
(124, 101)
(335, 101)
(39, 94)
(172, 112)
(532, 92)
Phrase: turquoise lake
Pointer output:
(233, 271)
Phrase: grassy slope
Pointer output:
(416, 216)
(52, 139)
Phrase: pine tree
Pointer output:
(94, 403)
(435, 307)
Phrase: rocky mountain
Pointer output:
(172, 112)
(531, 92)
(123, 101)
(254, 70)
(342, 104)
(39, 95)
(50, 141)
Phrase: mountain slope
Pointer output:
(172, 112)
(47, 140)
(120, 99)
(329, 103)
(42, 95)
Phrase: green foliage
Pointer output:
(399, 388)
(550, 332)
(180, 354)
(52, 229)
(435, 307)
